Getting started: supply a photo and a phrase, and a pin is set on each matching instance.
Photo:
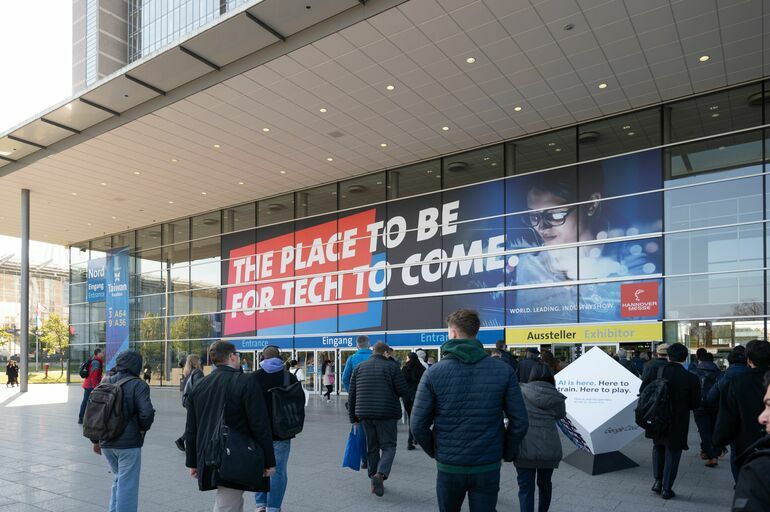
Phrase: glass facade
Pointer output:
(557, 228)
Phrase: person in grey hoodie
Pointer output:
(540, 451)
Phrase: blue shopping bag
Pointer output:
(355, 450)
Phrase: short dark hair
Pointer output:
(766, 381)
(380, 348)
(271, 351)
(542, 372)
(220, 351)
(709, 357)
(758, 352)
(677, 353)
(500, 344)
(362, 341)
(466, 321)
(293, 362)
(736, 357)
(700, 354)
(97, 351)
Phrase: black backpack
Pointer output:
(653, 411)
(85, 367)
(104, 419)
(288, 404)
(707, 381)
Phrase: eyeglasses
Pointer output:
(548, 218)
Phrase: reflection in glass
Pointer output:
(743, 149)
(715, 250)
(718, 295)
(473, 166)
(414, 179)
(364, 190)
(544, 151)
(620, 134)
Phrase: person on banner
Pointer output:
(458, 414)
(123, 452)
(540, 452)
(94, 368)
(741, 403)
(237, 398)
(373, 402)
(684, 396)
(752, 490)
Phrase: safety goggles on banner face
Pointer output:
(548, 218)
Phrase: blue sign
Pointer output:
(260, 344)
(116, 304)
(96, 285)
(434, 339)
(333, 341)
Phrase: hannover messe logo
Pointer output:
(639, 299)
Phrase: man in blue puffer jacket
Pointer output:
(463, 398)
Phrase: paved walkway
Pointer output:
(47, 466)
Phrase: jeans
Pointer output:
(381, 436)
(228, 500)
(273, 499)
(86, 394)
(526, 478)
(125, 464)
(482, 489)
(705, 422)
(665, 464)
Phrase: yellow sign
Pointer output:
(584, 333)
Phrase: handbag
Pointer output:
(355, 449)
(234, 457)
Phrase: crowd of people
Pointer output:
(12, 373)
(472, 411)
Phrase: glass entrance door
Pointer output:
(306, 360)
(343, 355)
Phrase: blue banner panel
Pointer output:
(116, 304)
(96, 282)
(333, 341)
(259, 344)
(434, 339)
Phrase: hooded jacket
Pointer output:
(95, 371)
(707, 370)
(375, 388)
(270, 375)
(137, 407)
(752, 491)
(457, 416)
(541, 446)
(359, 357)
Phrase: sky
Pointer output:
(36, 43)
(36, 73)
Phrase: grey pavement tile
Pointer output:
(20, 507)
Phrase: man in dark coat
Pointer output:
(506, 356)
(375, 389)
(741, 404)
(531, 358)
(752, 491)
(244, 406)
(705, 415)
(124, 453)
(457, 417)
(659, 359)
(684, 393)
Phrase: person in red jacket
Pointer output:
(95, 369)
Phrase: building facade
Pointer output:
(626, 231)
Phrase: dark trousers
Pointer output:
(86, 394)
(482, 489)
(733, 465)
(408, 408)
(665, 464)
(328, 391)
(526, 478)
(381, 436)
(705, 422)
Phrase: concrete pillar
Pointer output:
(24, 349)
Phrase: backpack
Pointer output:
(104, 419)
(707, 381)
(85, 367)
(288, 404)
(653, 411)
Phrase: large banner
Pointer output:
(96, 285)
(503, 248)
(116, 304)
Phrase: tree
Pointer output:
(6, 338)
(191, 327)
(55, 337)
(151, 328)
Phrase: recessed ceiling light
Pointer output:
(265, 129)
(322, 110)
(137, 173)
(703, 58)
(470, 60)
(517, 109)
(714, 107)
(630, 134)
(493, 164)
(69, 106)
(558, 150)
(103, 184)
(240, 183)
(715, 114)
(217, 146)
(113, 217)
(74, 193)
(330, 159)
(602, 85)
(89, 223)
(5, 153)
(171, 202)
(283, 172)
(203, 193)
(626, 127)
(551, 143)
(390, 87)
(383, 145)
(174, 160)
(445, 128)
(486, 158)
(379, 183)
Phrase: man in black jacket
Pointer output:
(741, 402)
(271, 375)
(375, 389)
(658, 359)
(458, 417)
(241, 398)
(705, 414)
(531, 358)
(684, 393)
(124, 453)
(752, 491)
(506, 356)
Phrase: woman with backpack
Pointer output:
(327, 378)
(192, 373)
(540, 450)
(412, 371)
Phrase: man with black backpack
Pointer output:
(705, 415)
(91, 373)
(666, 398)
(118, 416)
(228, 400)
(285, 400)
